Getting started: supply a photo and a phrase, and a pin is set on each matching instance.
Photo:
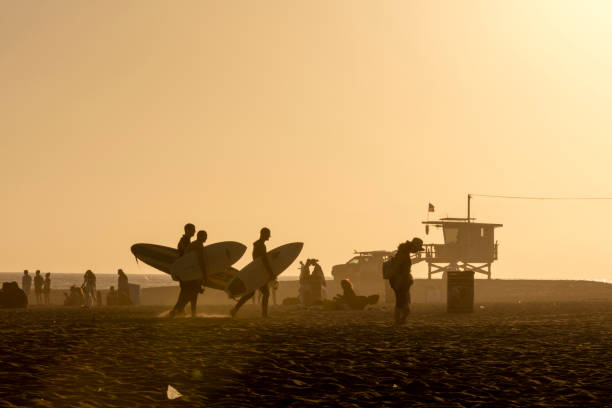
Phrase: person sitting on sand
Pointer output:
(89, 288)
(38, 286)
(349, 300)
(191, 289)
(47, 287)
(259, 251)
(74, 297)
(111, 298)
(123, 288)
(12, 297)
(26, 283)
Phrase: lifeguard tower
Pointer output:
(467, 245)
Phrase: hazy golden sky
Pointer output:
(331, 122)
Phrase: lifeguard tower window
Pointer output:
(451, 235)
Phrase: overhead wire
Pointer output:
(539, 198)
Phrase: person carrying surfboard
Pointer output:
(182, 245)
(190, 289)
(185, 240)
(259, 251)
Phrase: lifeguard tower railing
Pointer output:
(429, 254)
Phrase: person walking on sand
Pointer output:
(401, 278)
(259, 251)
(190, 289)
(26, 283)
(47, 287)
(123, 288)
(89, 288)
(38, 286)
(183, 243)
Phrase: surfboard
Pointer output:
(219, 258)
(255, 275)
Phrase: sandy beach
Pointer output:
(529, 354)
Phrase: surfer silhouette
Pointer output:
(191, 289)
(259, 251)
(185, 240)
(182, 245)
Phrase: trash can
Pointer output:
(460, 292)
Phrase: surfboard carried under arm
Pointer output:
(218, 259)
(255, 275)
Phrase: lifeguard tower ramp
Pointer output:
(467, 245)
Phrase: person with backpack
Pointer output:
(398, 271)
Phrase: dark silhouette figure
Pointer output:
(259, 251)
(38, 286)
(89, 288)
(349, 300)
(401, 279)
(182, 245)
(304, 291)
(191, 289)
(111, 298)
(123, 288)
(311, 284)
(317, 282)
(75, 297)
(47, 287)
(12, 297)
(26, 283)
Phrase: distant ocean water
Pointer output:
(103, 280)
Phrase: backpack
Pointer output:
(388, 268)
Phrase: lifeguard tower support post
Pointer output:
(467, 246)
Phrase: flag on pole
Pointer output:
(431, 208)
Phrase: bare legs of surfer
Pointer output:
(189, 294)
(265, 295)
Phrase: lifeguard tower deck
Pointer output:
(467, 245)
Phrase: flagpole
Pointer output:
(469, 198)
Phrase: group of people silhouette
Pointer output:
(42, 286)
(397, 270)
(190, 289)
(87, 294)
(312, 284)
